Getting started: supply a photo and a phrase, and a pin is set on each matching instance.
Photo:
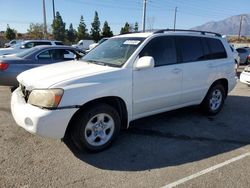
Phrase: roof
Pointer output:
(56, 47)
(171, 32)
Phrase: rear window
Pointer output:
(217, 49)
(241, 50)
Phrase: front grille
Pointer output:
(25, 92)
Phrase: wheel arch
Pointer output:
(114, 101)
(223, 82)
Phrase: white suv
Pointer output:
(125, 78)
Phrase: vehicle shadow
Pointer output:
(175, 138)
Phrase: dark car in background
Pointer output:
(12, 65)
(243, 52)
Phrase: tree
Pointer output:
(58, 28)
(95, 30)
(136, 28)
(125, 29)
(82, 29)
(71, 34)
(106, 31)
(35, 31)
(10, 34)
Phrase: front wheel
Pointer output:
(214, 100)
(96, 128)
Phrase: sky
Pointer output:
(159, 13)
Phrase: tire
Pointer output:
(214, 100)
(95, 128)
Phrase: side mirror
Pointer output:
(144, 63)
(22, 47)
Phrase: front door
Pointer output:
(159, 88)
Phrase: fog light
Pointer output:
(28, 122)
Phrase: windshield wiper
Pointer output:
(95, 62)
(102, 63)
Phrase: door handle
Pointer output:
(176, 70)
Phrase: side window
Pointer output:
(206, 51)
(68, 54)
(29, 45)
(217, 49)
(42, 43)
(59, 43)
(190, 48)
(44, 55)
(57, 54)
(162, 49)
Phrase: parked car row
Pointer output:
(21, 46)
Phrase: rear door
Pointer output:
(201, 57)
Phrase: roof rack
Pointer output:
(183, 30)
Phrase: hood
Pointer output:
(49, 75)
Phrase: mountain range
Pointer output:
(228, 26)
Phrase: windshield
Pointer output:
(114, 52)
(26, 52)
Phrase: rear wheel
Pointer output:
(214, 100)
(96, 128)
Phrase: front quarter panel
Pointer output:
(116, 83)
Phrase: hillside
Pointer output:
(229, 26)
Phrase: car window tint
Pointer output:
(42, 43)
(29, 45)
(44, 55)
(59, 43)
(191, 48)
(241, 50)
(68, 54)
(162, 49)
(206, 51)
(217, 49)
(57, 54)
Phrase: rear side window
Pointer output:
(217, 49)
(42, 43)
(162, 49)
(44, 55)
(190, 48)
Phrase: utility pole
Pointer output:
(241, 19)
(175, 12)
(144, 15)
(44, 21)
(53, 4)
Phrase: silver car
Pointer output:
(19, 47)
(12, 65)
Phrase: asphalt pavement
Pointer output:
(181, 148)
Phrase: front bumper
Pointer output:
(245, 77)
(47, 123)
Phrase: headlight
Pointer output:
(49, 98)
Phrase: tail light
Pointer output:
(248, 59)
(3, 66)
